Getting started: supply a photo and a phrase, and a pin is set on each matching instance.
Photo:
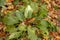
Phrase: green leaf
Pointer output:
(2, 2)
(34, 6)
(28, 11)
(43, 26)
(11, 29)
(21, 8)
(31, 34)
(43, 11)
(14, 35)
(19, 15)
(44, 23)
(10, 19)
(52, 27)
(22, 27)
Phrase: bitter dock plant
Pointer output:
(25, 20)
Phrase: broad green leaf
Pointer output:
(19, 15)
(29, 14)
(31, 34)
(14, 35)
(28, 11)
(11, 29)
(10, 19)
(44, 23)
(43, 26)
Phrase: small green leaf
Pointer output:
(44, 23)
(14, 35)
(21, 8)
(28, 11)
(19, 15)
(34, 6)
(11, 29)
(31, 34)
(22, 27)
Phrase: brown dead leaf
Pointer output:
(1, 26)
(57, 2)
(9, 0)
(54, 34)
(27, 21)
(2, 34)
(58, 12)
